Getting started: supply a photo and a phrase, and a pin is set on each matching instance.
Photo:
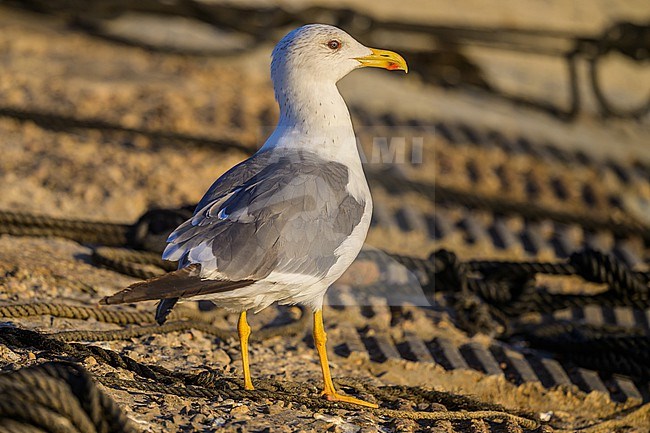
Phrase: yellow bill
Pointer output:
(384, 59)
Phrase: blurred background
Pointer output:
(520, 133)
(111, 107)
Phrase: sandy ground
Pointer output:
(116, 176)
(292, 360)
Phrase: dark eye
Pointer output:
(334, 44)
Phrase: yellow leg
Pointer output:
(320, 338)
(244, 332)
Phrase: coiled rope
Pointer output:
(502, 282)
(509, 285)
(210, 384)
(58, 397)
(487, 296)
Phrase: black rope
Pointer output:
(506, 288)
(489, 297)
(491, 293)
(150, 232)
(486, 296)
(601, 268)
(631, 40)
(500, 282)
(211, 384)
(626, 38)
(57, 397)
(605, 349)
(528, 210)
(65, 123)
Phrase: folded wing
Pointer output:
(271, 216)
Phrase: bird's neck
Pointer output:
(315, 118)
(312, 107)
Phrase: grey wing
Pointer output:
(289, 217)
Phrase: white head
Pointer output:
(319, 52)
(305, 67)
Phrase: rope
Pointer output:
(626, 38)
(197, 321)
(607, 349)
(189, 385)
(21, 224)
(61, 122)
(600, 268)
(23, 338)
(106, 315)
(529, 211)
(487, 296)
(192, 391)
(149, 232)
(135, 263)
(508, 285)
(544, 302)
(139, 331)
(505, 282)
(57, 397)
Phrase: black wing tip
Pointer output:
(164, 309)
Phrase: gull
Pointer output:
(284, 224)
